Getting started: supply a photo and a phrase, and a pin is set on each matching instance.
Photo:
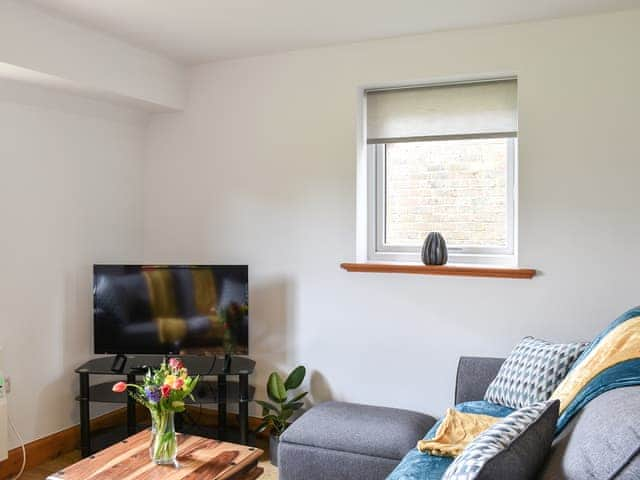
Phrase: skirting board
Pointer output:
(4, 429)
(56, 444)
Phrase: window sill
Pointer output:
(454, 270)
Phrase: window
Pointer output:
(443, 158)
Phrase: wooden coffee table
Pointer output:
(199, 459)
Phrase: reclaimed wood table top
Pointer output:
(198, 458)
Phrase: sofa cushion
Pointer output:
(361, 429)
(601, 442)
(301, 462)
(532, 371)
(515, 447)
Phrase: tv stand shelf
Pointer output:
(197, 365)
(221, 392)
(205, 393)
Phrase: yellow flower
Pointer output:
(169, 380)
(177, 404)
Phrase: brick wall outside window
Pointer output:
(456, 187)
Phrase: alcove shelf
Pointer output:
(452, 270)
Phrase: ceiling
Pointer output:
(197, 31)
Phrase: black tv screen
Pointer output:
(171, 309)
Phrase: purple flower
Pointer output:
(152, 394)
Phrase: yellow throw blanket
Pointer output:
(455, 432)
(620, 344)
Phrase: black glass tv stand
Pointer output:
(220, 392)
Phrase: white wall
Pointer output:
(43, 48)
(70, 196)
(261, 169)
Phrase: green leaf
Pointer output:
(267, 405)
(276, 389)
(191, 385)
(278, 427)
(298, 397)
(286, 414)
(262, 427)
(295, 378)
(271, 419)
(292, 406)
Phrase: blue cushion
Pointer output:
(422, 466)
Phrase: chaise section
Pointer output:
(337, 440)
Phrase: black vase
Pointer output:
(434, 250)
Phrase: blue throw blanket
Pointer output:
(422, 466)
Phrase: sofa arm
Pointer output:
(474, 376)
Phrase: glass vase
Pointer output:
(164, 444)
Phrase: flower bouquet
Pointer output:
(163, 391)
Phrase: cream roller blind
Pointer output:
(433, 112)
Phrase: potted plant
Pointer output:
(277, 413)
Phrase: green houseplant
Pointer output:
(277, 412)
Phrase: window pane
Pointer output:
(456, 187)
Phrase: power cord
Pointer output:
(24, 451)
(213, 364)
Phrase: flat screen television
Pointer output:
(171, 309)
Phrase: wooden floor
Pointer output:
(41, 472)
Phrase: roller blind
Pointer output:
(434, 112)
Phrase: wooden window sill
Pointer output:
(455, 270)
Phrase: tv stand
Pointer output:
(219, 392)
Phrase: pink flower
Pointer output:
(119, 387)
(165, 390)
(175, 363)
(178, 384)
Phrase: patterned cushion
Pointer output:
(532, 372)
(515, 447)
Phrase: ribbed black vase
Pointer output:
(434, 250)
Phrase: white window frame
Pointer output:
(378, 250)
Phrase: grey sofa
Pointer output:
(337, 440)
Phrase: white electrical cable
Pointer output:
(24, 451)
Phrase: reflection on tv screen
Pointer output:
(171, 309)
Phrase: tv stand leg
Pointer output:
(222, 407)
(243, 409)
(85, 433)
(131, 408)
(179, 421)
